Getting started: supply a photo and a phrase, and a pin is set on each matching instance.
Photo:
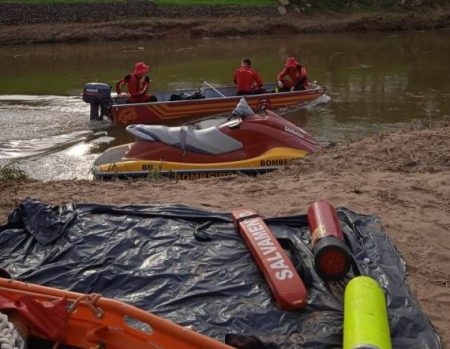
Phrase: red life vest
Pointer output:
(294, 74)
(138, 92)
(133, 86)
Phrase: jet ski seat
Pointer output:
(206, 141)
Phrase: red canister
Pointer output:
(332, 257)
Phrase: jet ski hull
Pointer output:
(268, 161)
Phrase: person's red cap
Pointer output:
(141, 68)
(291, 63)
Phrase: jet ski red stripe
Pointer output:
(286, 285)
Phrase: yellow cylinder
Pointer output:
(366, 324)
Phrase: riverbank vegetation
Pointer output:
(317, 5)
(303, 7)
(159, 2)
(51, 21)
(215, 2)
(12, 171)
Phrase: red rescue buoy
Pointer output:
(331, 255)
(279, 271)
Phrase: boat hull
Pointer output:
(166, 111)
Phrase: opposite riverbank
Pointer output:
(224, 22)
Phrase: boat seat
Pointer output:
(206, 141)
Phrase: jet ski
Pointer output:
(247, 142)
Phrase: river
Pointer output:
(374, 81)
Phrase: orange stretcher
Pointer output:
(97, 322)
(286, 285)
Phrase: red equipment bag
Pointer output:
(46, 319)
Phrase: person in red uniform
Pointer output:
(293, 77)
(137, 83)
(247, 79)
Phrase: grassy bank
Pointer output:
(305, 7)
(139, 20)
(332, 5)
(159, 2)
(216, 2)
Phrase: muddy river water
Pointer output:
(374, 81)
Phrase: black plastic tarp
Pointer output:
(192, 267)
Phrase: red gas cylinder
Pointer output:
(332, 257)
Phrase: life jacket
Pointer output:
(134, 89)
(295, 75)
(137, 93)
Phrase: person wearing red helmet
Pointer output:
(293, 77)
(247, 79)
(137, 83)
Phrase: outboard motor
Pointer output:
(98, 95)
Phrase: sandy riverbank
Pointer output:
(403, 177)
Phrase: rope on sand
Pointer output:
(9, 337)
